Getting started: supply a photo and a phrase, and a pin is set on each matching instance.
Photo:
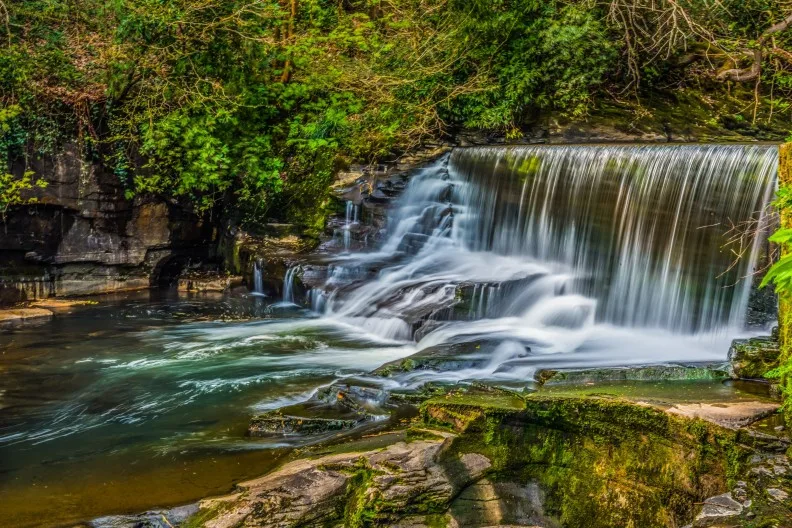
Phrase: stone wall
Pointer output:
(83, 236)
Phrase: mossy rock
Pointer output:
(275, 422)
(442, 357)
(644, 373)
(753, 358)
(601, 462)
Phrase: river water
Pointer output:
(526, 257)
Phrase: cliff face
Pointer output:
(83, 236)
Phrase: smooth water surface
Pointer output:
(133, 404)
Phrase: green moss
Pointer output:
(602, 462)
(461, 408)
(414, 434)
(651, 373)
(203, 516)
(785, 300)
(436, 521)
(359, 506)
(753, 358)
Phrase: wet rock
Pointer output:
(446, 357)
(716, 510)
(16, 316)
(207, 282)
(645, 373)
(425, 329)
(753, 358)
(777, 494)
(352, 398)
(150, 519)
(384, 487)
(730, 415)
(275, 422)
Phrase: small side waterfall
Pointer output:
(288, 284)
(258, 277)
(351, 218)
(620, 251)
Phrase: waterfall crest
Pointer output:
(642, 227)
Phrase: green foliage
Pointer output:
(14, 191)
(246, 106)
(781, 272)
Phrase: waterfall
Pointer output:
(351, 218)
(288, 284)
(641, 226)
(258, 277)
(563, 248)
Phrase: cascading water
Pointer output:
(258, 278)
(351, 218)
(288, 284)
(617, 252)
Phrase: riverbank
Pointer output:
(643, 454)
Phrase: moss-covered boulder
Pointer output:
(753, 358)
(599, 462)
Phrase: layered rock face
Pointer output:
(83, 236)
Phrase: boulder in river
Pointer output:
(275, 422)
(752, 358)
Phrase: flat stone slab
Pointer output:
(730, 415)
(61, 305)
(639, 373)
(19, 315)
(277, 423)
(717, 509)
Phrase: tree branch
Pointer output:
(755, 70)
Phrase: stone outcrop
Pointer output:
(752, 358)
(207, 282)
(404, 484)
(729, 415)
(84, 236)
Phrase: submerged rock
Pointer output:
(352, 398)
(150, 519)
(445, 357)
(15, 316)
(275, 422)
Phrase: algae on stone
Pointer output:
(754, 357)
(601, 462)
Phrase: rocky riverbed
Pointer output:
(667, 446)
